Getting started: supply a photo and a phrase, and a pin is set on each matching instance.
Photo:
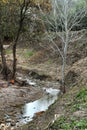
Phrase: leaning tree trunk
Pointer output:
(14, 49)
(22, 17)
(5, 69)
(15, 46)
(14, 54)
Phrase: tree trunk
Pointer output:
(5, 69)
(14, 54)
(65, 46)
(14, 60)
(22, 17)
(63, 88)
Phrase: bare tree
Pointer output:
(64, 18)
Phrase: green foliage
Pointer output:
(80, 4)
(76, 107)
(82, 95)
(9, 17)
(8, 51)
(28, 54)
(60, 124)
(9, 20)
(65, 124)
(49, 61)
(69, 121)
(82, 124)
(80, 100)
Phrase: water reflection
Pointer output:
(40, 105)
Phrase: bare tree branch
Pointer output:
(65, 16)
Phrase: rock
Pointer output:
(12, 128)
(13, 123)
(24, 117)
(8, 120)
(17, 125)
(56, 116)
(4, 127)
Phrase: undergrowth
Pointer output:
(68, 121)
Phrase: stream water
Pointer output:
(39, 105)
(17, 116)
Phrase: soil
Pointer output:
(14, 96)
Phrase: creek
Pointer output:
(32, 108)
(18, 114)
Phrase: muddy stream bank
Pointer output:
(19, 104)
